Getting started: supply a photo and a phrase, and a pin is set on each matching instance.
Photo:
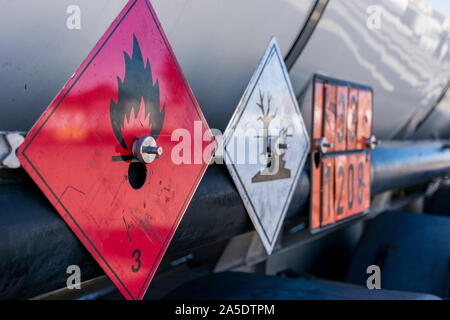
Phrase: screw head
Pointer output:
(371, 142)
(145, 149)
(322, 145)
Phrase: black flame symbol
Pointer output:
(137, 84)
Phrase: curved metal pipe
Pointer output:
(399, 164)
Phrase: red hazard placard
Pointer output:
(80, 152)
(340, 173)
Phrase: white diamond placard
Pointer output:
(266, 144)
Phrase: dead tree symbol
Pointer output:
(266, 119)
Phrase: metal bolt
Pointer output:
(152, 150)
(9, 143)
(371, 142)
(146, 150)
(322, 145)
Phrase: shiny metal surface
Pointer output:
(39, 53)
(9, 143)
(396, 164)
(146, 150)
(437, 124)
(219, 43)
(406, 60)
(310, 25)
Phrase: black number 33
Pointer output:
(137, 266)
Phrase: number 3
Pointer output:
(137, 253)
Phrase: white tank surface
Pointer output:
(39, 52)
(219, 44)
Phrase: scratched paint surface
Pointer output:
(78, 152)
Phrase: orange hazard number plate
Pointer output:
(340, 188)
